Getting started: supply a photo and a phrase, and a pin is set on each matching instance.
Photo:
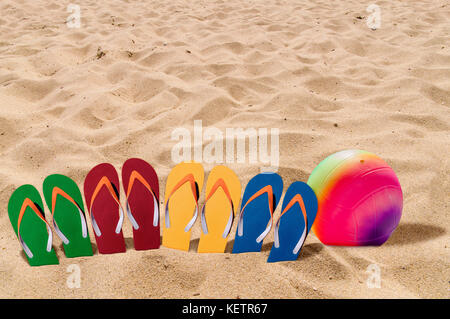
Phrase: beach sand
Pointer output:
(134, 71)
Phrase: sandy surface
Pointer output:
(118, 86)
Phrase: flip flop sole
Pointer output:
(217, 209)
(292, 223)
(142, 204)
(67, 216)
(105, 209)
(32, 229)
(181, 205)
(257, 212)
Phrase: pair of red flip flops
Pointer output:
(102, 194)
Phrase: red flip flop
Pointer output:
(141, 186)
(101, 191)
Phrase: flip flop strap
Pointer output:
(135, 176)
(29, 203)
(266, 189)
(105, 182)
(299, 200)
(219, 183)
(188, 178)
(58, 191)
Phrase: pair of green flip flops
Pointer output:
(64, 200)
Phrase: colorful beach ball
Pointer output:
(360, 199)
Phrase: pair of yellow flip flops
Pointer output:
(183, 188)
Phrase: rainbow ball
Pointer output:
(360, 199)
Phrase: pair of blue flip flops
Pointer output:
(261, 197)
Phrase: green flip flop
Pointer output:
(63, 198)
(26, 213)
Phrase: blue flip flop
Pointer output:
(260, 199)
(299, 211)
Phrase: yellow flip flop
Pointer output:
(183, 188)
(223, 193)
